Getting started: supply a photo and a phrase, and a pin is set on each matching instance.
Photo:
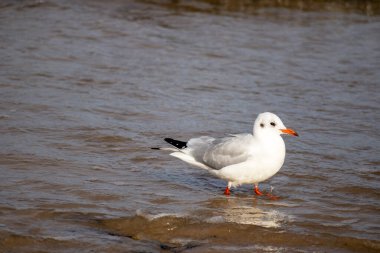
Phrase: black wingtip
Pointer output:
(175, 143)
(155, 148)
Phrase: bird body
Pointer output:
(242, 158)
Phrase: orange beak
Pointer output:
(289, 131)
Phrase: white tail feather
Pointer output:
(189, 159)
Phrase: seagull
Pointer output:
(241, 158)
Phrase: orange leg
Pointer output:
(257, 191)
(227, 191)
(269, 195)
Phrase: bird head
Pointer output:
(269, 123)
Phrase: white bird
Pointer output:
(238, 159)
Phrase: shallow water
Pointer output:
(87, 88)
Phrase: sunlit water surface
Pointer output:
(87, 88)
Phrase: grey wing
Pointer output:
(197, 147)
(219, 153)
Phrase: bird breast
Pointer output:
(268, 156)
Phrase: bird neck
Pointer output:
(271, 141)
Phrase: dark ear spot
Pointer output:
(262, 124)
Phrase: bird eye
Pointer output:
(261, 124)
(273, 124)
